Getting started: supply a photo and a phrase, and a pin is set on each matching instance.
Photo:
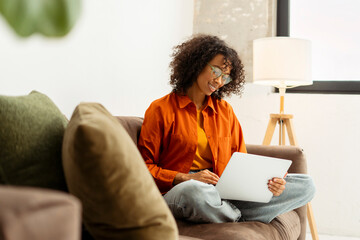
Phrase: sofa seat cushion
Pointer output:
(284, 227)
(188, 238)
(104, 169)
(31, 134)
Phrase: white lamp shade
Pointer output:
(282, 61)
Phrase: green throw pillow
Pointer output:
(31, 133)
(105, 170)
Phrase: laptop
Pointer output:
(246, 176)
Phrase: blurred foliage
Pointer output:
(51, 18)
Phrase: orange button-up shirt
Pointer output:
(168, 138)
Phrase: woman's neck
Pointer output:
(196, 97)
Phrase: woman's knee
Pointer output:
(191, 191)
(302, 186)
(309, 188)
(190, 200)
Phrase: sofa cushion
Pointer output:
(229, 231)
(104, 169)
(31, 133)
(283, 227)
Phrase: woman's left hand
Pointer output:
(277, 186)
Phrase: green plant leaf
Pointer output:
(51, 18)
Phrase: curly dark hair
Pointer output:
(192, 56)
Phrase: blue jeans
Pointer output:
(196, 201)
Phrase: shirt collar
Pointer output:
(184, 100)
(210, 104)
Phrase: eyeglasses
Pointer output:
(218, 73)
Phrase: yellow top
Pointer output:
(203, 155)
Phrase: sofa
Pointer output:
(83, 178)
(291, 225)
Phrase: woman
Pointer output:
(189, 135)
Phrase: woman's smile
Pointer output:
(212, 87)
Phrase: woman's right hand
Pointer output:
(205, 176)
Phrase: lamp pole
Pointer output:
(282, 98)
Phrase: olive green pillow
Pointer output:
(104, 169)
(31, 133)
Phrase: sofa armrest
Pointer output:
(33, 214)
(293, 153)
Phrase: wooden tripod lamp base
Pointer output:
(283, 120)
(286, 120)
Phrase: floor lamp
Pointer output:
(283, 62)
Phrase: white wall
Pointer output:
(117, 54)
(327, 128)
